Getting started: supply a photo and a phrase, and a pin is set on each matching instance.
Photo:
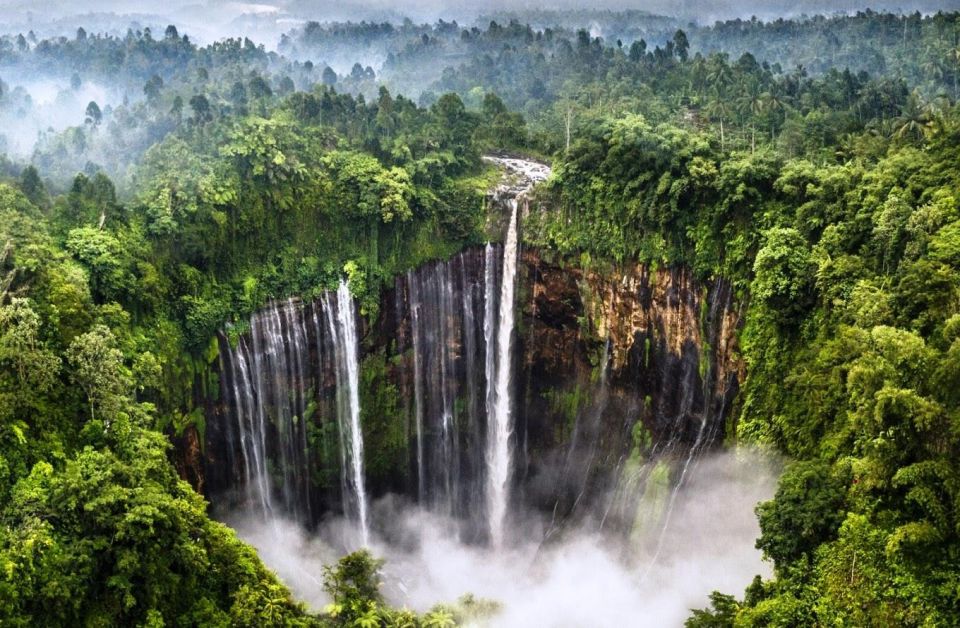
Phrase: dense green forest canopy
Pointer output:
(750, 77)
(814, 163)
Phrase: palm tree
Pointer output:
(933, 111)
(720, 75)
(932, 65)
(751, 105)
(439, 618)
(698, 77)
(719, 109)
(370, 619)
(773, 102)
(953, 55)
(846, 146)
(914, 121)
(794, 81)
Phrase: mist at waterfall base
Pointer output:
(587, 579)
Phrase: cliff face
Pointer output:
(626, 364)
(617, 376)
(608, 367)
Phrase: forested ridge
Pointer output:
(822, 180)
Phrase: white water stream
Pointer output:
(343, 330)
(499, 422)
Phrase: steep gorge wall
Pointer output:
(612, 368)
(616, 380)
(619, 366)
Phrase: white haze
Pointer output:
(266, 20)
(53, 106)
(584, 581)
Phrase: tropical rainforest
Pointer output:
(794, 180)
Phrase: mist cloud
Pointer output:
(588, 579)
(39, 105)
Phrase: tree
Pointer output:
(719, 109)
(93, 114)
(97, 367)
(259, 88)
(103, 255)
(151, 89)
(453, 118)
(721, 614)
(751, 106)
(917, 120)
(385, 118)
(396, 193)
(493, 106)
(238, 96)
(329, 77)
(806, 511)
(354, 584)
(114, 537)
(29, 374)
(439, 618)
(176, 109)
(32, 186)
(889, 231)
(953, 57)
(638, 50)
(264, 153)
(286, 86)
(22, 349)
(680, 45)
(775, 107)
(201, 110)
(783, 273)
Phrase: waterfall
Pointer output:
(343, 331)
(252, 436)
(499, 423)
(267, 383)
(458, 314)
(459, 311)
(477, 437)
(444, 340)
(273, 381)
(489, 330)
(418, 392)
(722, 297)
(294, 379)
(498, 336)
(436, 328)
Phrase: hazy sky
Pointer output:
(212, 18)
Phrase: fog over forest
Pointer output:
(266, 21)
